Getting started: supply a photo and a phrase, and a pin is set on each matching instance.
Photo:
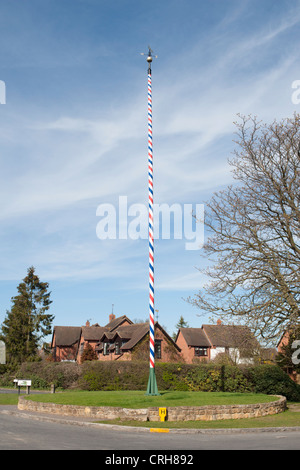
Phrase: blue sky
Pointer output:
(73, 136)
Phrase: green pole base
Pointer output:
(152, 385)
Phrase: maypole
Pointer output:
(152, 385)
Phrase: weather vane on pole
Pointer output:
(152, 385)
(149, 58)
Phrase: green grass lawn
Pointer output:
(138, 399)
(9, 399)
(285, 419)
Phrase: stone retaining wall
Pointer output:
(176, 413)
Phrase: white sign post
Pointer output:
(24, 383)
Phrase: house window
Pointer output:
(200, 352)
(105, 349)
(157, 348)
(117, 348)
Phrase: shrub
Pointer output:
(234, 380)
(212, 378)
(43, 374)
(272, 380)
(89, 354)
(170, 376)
(109, 375)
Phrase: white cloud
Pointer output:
(191, 281)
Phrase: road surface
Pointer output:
(22, 433)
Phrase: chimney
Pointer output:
(111, 317)
(219, 322)
(87, 323)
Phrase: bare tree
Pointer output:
(253, 228)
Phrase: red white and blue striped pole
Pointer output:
(152, 385)
(151, 224)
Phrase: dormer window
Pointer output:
(117, 348)
(105, 349)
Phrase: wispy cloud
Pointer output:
(63, 162)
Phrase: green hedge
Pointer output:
(43, 374)
(96, 375)
(272, 380)
(211, 378)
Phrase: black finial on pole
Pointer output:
(149, 58)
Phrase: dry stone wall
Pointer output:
(177, 413)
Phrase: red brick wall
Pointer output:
(65, 353)
(168, 351)
(188, 352)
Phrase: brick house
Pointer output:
(131, 342)
(123, 340)
(92, 334)
(194, 344)
(68, 341)
(65, 341)
(206, 343)
(120, 339)
(89, 335)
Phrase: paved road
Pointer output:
(19, 432)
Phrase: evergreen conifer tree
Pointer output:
(180, 324)
(27, 321)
